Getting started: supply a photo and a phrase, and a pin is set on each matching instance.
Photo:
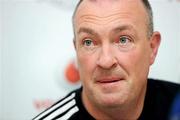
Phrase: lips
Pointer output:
(109, 80)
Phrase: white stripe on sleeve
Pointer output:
(69, 113)
(61, 110)
(55, 106)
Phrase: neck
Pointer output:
(129, 111)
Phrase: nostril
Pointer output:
(115, 64)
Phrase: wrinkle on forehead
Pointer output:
(103, 20)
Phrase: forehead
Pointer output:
(104, 10)
(92, 4)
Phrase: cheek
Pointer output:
(86, 65)
(140, 63)
(136, 66)
(135, 63)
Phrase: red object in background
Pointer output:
(42, 104)
(71, 73)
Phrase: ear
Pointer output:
(154, 45)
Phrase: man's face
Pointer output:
(113, 50)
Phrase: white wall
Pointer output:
(166, 19)
(37, 46)
(1, 59)
(179, 44)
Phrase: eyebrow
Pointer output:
(124, 27)
(87, 30)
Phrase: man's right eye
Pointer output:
(88, 42)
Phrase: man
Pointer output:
(115, 45)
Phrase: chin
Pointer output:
(113, 101)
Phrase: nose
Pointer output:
(106, 58)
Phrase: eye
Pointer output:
(125, 43)
(123, 40)
(88, 42)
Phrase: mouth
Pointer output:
(110, 84)
(108, 80)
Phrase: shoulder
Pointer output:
(162, 91)
(159, 98)
(62, 110)
(163, 87)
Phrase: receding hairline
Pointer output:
(147, 7)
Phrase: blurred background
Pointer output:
(37, 58)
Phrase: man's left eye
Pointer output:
(124, 43)
(123, 40)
